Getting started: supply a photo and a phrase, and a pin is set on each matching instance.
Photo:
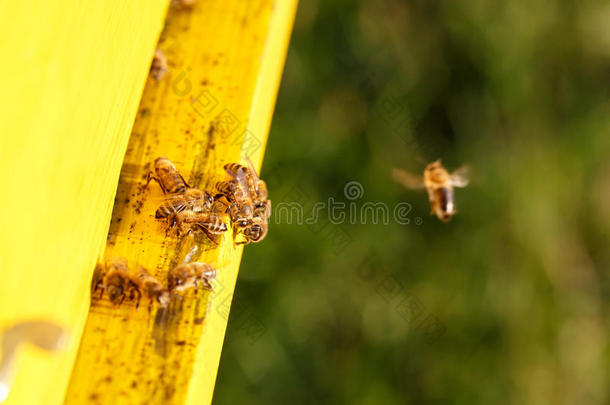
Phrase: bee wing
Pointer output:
(251, 165)
(460, 176)
(409, 180)
(175, 200)
(241, 179)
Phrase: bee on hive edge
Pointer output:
(252, 230)
(158, 67)
(210, 224)
(115, 279)
(244, 195)
(253, 186)
(169, 178)
(192, 200)
(151, 287)
(439, 184)
(191, 275)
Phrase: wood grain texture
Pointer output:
(215, 106)
(71, 79)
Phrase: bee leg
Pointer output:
(122, 298)
(150, 177)
(207, 285)
(184, 181)
(137, 292)
(209, 235)
(234, 229)
(182, 229)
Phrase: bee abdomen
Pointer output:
(164, 211)
(235, 169)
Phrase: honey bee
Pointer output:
(439, 183)
(151, 287)
(191, 275)
(116, 280)
(246, 201)
(169, 178)
(158, 68)
(209, 223)
(193, 200)
(248, 179)
(248, 218)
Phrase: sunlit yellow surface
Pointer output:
(215, 106)
(71, 75)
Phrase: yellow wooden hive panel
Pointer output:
(213, 107)
(71, 77)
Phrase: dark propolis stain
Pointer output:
(159, 331)
(138, 206)
(211, 130)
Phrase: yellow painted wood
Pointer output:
(214, 106)
(71, 77)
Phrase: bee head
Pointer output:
(115, 292)
(255, 231)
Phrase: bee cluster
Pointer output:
(242, 197)
(123, 283)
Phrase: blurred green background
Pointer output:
(508, 302)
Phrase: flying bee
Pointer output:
(193, 200)
(117, 281)
(169, 178)
(439, 184)
(191, 275)
(208, 223)
(151, 287)
(158, 68)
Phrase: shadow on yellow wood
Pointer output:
(71, 78)
(213, 107)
